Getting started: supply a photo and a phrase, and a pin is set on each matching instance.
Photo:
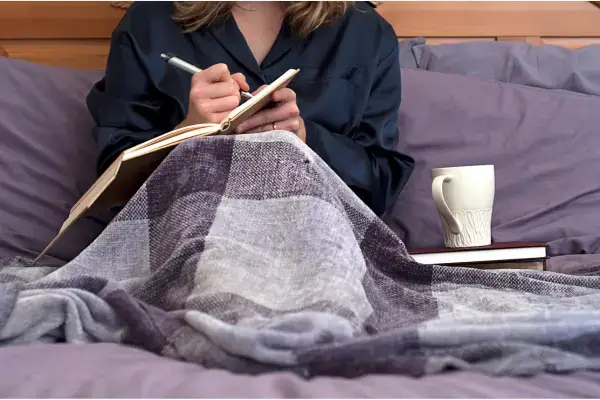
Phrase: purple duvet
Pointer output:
(108, 370)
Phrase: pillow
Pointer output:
(546, 66)
(47, 158)
(545, 146)
(406, 52)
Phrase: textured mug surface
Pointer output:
(464, 198)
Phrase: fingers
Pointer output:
(291, 125)
(267, 117)
(284, 95)
(220, 73)
(214, 73)
(258, 90)
(214, 93)
(240, 79)
(215, 90)
(221, 104)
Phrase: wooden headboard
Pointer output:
(572, 24)
(76, 34)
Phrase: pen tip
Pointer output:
(165, 57)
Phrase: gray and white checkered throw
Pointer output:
(248, 253)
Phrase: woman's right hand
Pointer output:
(214, 94)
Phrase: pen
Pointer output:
(192, 69)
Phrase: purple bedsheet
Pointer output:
(575, 264)
(108, 370)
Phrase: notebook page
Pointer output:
(262, 97)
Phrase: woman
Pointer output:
(343, 103)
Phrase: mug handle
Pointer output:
(442, 206)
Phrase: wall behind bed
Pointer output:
(76, 34)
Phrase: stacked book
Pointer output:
(511, 255)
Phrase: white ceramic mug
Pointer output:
(464, 198)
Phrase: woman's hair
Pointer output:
(304, 16)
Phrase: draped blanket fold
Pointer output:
(248, 253)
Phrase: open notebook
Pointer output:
(131, 169)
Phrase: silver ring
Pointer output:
(274, 126)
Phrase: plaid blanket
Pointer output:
(248, 253)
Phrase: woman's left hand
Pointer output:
(285, 115)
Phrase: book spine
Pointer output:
(226, 125)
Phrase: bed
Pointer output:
(535, 61)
